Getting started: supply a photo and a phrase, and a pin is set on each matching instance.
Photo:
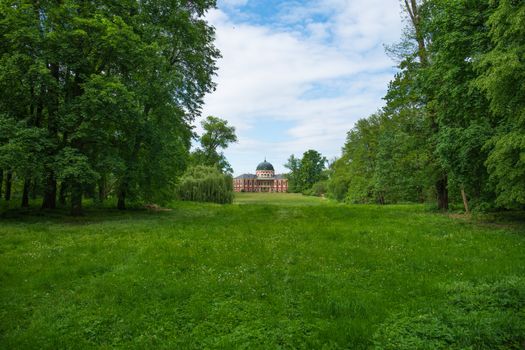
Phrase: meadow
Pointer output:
(270, 271)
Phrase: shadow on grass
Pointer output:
(92, 214)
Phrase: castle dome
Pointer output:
(265, 166)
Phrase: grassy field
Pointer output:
(271, 271)
(288, 199)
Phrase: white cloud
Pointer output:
(274, 72)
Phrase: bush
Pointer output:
(318, 189)
(205, 184)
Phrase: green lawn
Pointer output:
(293, 199)
(271, 271)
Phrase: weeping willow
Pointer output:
(205, 184)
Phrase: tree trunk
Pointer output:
(121, 203)
(465, 200)
(50, 191)
(33, 190)
(1, 181)
(8, 185)
(25, 194)
(102, 189)
(124, 183)
(76, 200)
(62, 196)
(412, 9)
(442, 193)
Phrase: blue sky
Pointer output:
(297, 75)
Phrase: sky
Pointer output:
(297, 75)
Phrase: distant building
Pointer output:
(264, 180)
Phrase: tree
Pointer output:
(217, 136)
(205, 184)
(294, 176)
(311, 169)
(110, 88)
(306, 171)
(502, 78)
(416, 13)
(462, 111)
(453, 115)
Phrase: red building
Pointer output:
(264, 180)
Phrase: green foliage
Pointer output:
(384, 161)
(483, 316)
(337, 185)
(108, 91)
(74, 167)
(318, 189)
(453, 122)
(305, 171)
(205, 184)
(294, 176)
(502, 78)
(217, 136)
(506, 164)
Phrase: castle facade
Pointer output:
(264, 180)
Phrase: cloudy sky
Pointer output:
(297, 75)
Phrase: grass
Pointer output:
(289, 199)
(271, 271)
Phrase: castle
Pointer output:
(264, 180)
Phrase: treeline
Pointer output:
(453, 127)
(308, 174)
(99, 97)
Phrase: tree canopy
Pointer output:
(217, 135)
(452, 128)
(305, 171)
(101, 95)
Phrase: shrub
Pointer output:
(205, 184)
(318, 189)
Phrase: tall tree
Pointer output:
(305, 171)
(414, 9)
(217, 136)
(459, 36)
(294, 176)
(502, 78)
(312, 166)
(114, 87)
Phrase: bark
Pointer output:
(442, 193)
(124, 185)
(34, 187)
(465, 200)
(50, 191)
(8, 185)
(102, 189)
(62, 197)
(121, 203)
(413, 10)
(76, 200)
(25, 193)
